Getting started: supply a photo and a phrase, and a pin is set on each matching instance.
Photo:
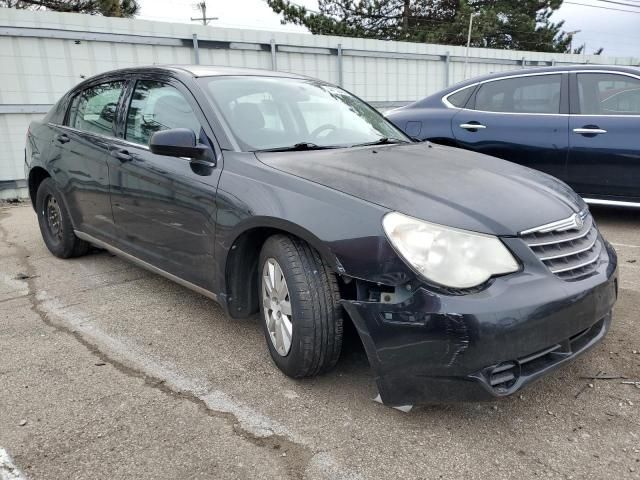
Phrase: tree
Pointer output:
(108, 8)
(504, 24)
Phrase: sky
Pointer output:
(618, 32)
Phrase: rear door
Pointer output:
(521, 119)
(604, 156)
(164, 207)
(80, 152)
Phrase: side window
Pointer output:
(94, 109)
(608, 94)
(460, 99)
(535, 94)
(156, 106)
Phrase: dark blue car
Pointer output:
(580, 124)
(288, 197)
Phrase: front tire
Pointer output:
(55, 223)
(299, 306)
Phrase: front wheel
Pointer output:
(299, 303)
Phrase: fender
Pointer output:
(238, 260)
(283, 225)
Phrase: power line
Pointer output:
(602, 7)
(632, 5)
(624, 4)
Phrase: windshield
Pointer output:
(268, 113)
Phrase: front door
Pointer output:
(604, 155)
(164, 207)
(518, 119)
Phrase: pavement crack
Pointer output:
(295, 455)
(17, 297)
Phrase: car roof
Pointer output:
(435, 98)
(203, 71)
(213, 71)
(194, 71)
(534, 70)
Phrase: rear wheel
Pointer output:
(299, 303)
(55, 223)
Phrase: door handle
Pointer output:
(472, 126)
(122, 155)
(588, 130)
(63, 138)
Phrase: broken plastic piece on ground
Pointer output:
(402, 408)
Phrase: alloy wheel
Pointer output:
(277, 307)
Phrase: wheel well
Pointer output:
(36, 176)
(241, 271)
(241, 275)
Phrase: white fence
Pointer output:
(43, 54)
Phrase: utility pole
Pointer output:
(202, 6)
(466, 57)
(406, 13)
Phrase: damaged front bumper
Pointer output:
(434, 348)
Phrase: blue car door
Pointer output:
(521, 118)
(604, 127)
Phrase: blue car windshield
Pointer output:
(268, 113)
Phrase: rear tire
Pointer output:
(55, 223)
(307, 306)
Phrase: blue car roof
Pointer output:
(565, 68)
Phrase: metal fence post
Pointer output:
(196, 51)
(340, 64)
(274, 62)
(447, 61)
(524, 63)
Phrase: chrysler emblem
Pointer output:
(574, 222)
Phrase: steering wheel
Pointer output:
(322, 128)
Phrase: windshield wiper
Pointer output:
(381, 141)
(299, 147)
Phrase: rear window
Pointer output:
(94, 109)
(460, 99)
(531, 94)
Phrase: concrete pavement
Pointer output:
(109, 371)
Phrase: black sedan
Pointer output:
(580, 124)
(465, 276)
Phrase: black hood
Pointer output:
(439, 184)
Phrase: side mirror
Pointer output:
(180, 142)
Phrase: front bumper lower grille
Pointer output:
(569, 248)
(505, 376)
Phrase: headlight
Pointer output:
(448, 256)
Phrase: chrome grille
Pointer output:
(570, 248)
